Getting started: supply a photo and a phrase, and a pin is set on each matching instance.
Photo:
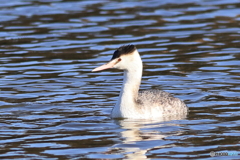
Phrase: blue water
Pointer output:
(54, 107)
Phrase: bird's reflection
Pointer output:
(140, 136)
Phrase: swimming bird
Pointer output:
(149, 104)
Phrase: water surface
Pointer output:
(54, 107)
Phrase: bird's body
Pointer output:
(149, 104)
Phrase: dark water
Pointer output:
(53, 107)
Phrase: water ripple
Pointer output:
(54, 107)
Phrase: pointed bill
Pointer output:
(105, 66)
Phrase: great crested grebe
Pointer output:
(149, 104)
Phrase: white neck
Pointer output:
(126, 104)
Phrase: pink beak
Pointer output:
(105, 66)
